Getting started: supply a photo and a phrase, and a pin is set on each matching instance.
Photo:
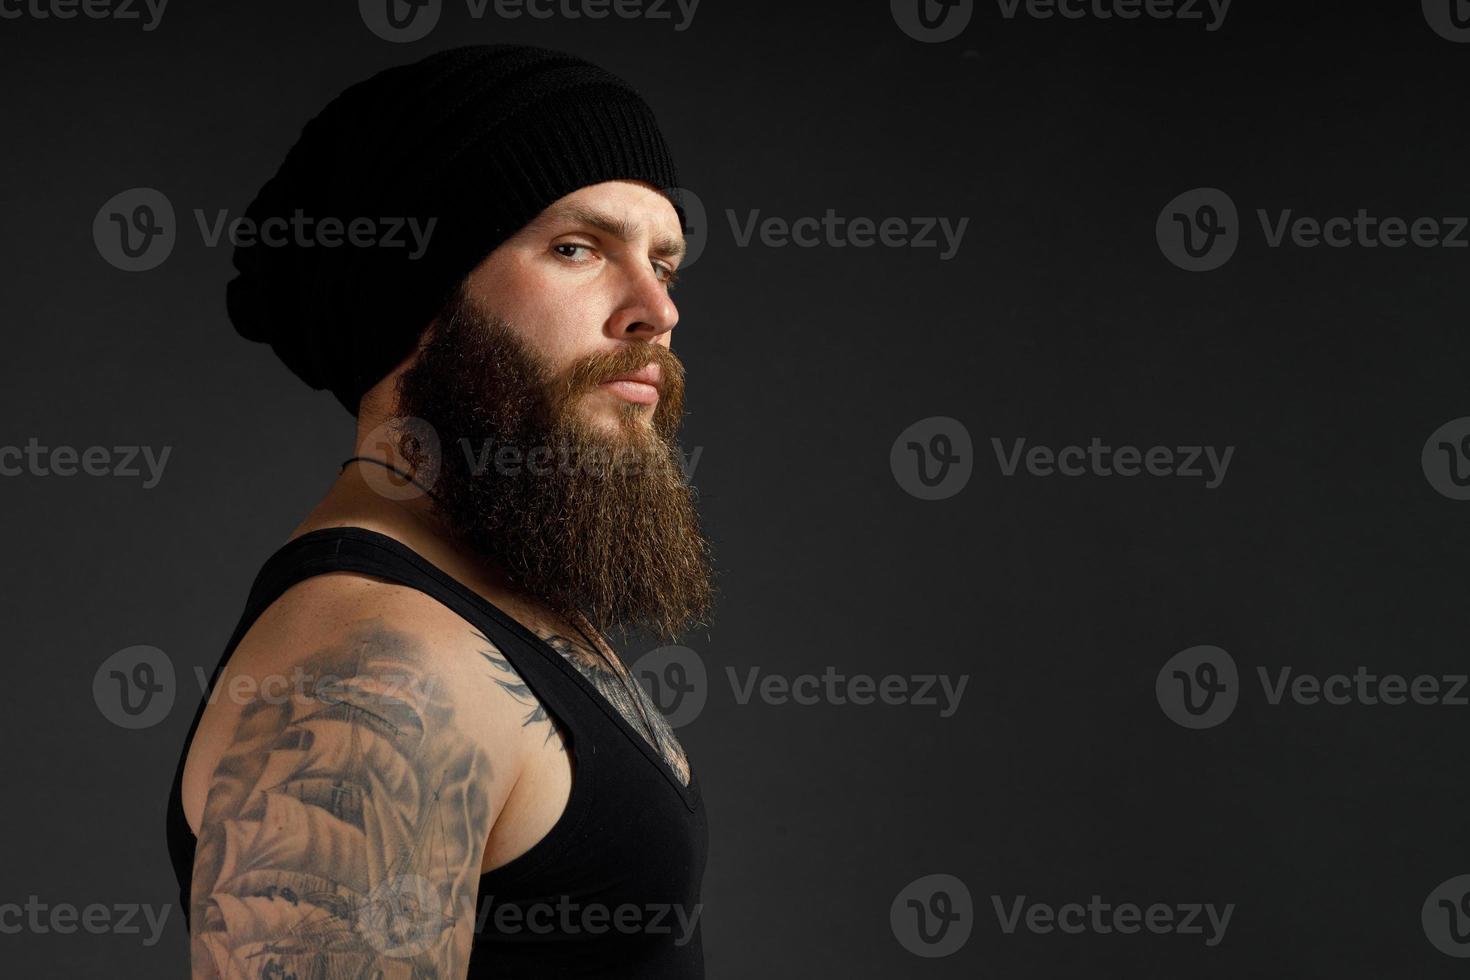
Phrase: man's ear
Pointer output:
(380, 402)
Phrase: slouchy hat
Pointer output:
(437, 162)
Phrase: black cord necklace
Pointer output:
(386, 466)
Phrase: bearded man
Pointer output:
(421, 756)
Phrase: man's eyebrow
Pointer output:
(663, 246)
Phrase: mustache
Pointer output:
(594, 369)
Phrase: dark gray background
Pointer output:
(1059, 320)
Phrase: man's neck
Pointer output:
(356, 499)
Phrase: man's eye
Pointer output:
(564, 249)
(666, 274)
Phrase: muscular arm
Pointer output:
(345, 823)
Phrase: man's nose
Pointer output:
(647, 311)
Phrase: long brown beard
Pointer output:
(586, 520)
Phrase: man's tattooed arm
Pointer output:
(505, 675)
(345, 823)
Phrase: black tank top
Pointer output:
(613, 889)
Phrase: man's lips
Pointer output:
(641, 386)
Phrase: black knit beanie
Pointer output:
(478, 140)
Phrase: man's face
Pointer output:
(590, 278)
(591, 510)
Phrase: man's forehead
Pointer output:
(625, 219)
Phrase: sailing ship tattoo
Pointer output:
(344, 826)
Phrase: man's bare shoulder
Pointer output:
(329, 610)
(349, 787)
(401, 642)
